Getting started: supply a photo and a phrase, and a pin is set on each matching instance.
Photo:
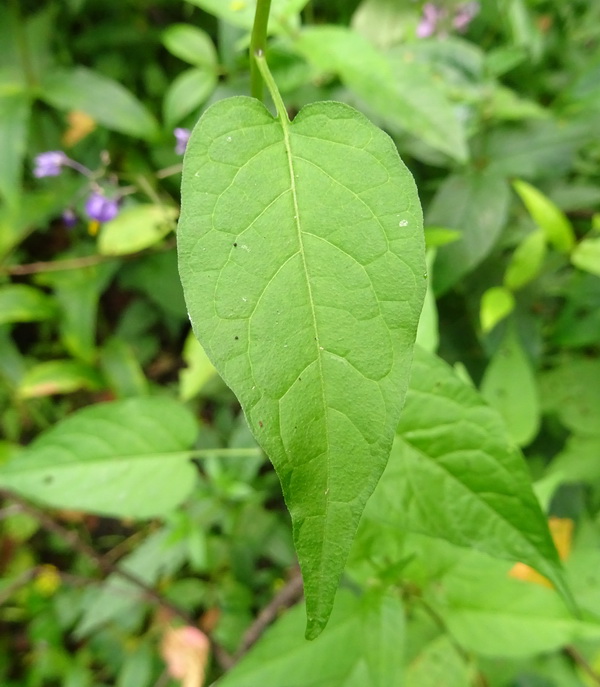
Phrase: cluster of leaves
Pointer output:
(135, 498)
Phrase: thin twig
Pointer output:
(57, 265)
(74, 541)
(286, 597)
(580, 660)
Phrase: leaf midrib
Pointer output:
(285, 124)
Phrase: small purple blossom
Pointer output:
(429, 21)
(49, 164)
(100, 208)
(437, 20)
(465, 15)
(182, 137)
(69, 218)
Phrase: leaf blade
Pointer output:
(307, 276)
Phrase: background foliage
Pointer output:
(124, 522)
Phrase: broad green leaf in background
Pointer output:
(135, 228)
(493, 614)
(384, 22)
(190, 44)
(547, 216)
(586, 255)
(363, 647)
(241, 12)
(476, 204)
(509, 385)
(23, 303)
(527, 260)
(105, 100)
(496, 304)
(301, 255)
(126, 458)
(579, 460)
(439, 663)
(187, 92)
(14, 120)
(404, 94)
(59, 377)
(571, 390)
(463, 481)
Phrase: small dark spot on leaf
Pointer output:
(299, 379)
(235, 245)
(236, 337)
(48, 479)
(260, 423)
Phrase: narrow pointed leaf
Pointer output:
(302, 260)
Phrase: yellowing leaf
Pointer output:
(80, 126)
(186, 651)
(562, 535)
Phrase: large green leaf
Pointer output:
(107, 101)
(302, 261)
(462, 480)
(362, 648)
(476, 204)
(127, 458)
(405, 94)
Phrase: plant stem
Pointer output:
(272, 86)
(258, 46)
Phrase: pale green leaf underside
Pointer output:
(127, 458)
(302, 261)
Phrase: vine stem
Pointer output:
(258, 46)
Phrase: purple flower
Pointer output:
(429, 21)
(465, 15)
(182, 136)
(49, 164)
(100, 208)
(69, 218)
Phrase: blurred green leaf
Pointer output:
(14, 122)
(186, 93)
(198, 369)
(23, 303)
(241, 12)
(492, 614)
(496, 304)
(126, 458)
(78, 292)
(122, 370)
(476, 204)
(586, 255)
(571, 390)
(439, 663)
(59, 377)
(547, 216)
(158, 555)
(362, 647)
(105, 100)
(509, 385)
(404, 93)
(191, 45)
(527, 261)
(135, 228)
